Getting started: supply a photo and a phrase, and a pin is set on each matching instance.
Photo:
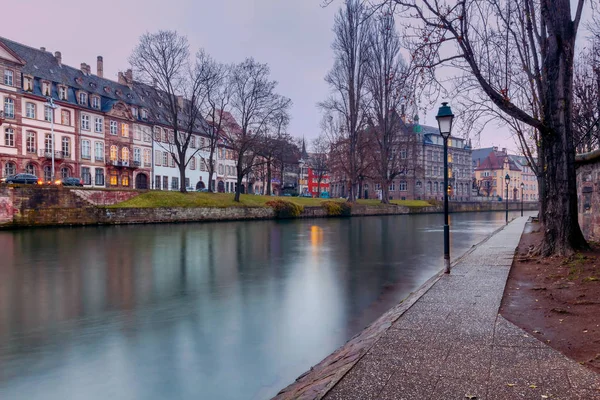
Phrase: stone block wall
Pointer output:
(105, 197)
(588, 194)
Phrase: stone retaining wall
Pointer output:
(51, 206)
(588, 194)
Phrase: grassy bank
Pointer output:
(161, 199)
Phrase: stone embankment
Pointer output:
(52, 206)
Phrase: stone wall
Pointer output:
(588, 194)
(105, 197)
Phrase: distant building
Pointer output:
(491, 172)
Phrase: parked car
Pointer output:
(204, 190)
(22, 178)
(71, 181)
(325, 195)
(306, 194)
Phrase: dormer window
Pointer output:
(46, 89)
(83, 98)
(106, 89)
(28, 83)
(62, 92)
(159, 103)
(79, 80)
(118, 92)
(134, 111)
(129, 95)
(8, 77)
(93, 85)
(96, 102)
(144, 114)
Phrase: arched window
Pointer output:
(65, 172)
(435, 187)
(47, 173)
(429, 187)
(30, 169)
(113, 153)
(125, 155)
(10, 168)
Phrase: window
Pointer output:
(147, 157)
(9, 137)
(172, 161)
(403, 186)
(165, 159)
(193, 142)
(99, 151)
(98, 122)
(137, 132)
(124, 130)
(99, 178)
(27, 84)
(175, 183)
(144, 114)
(30, 110)
(157, 157)
(46, 88)
(86, 176)
(30, 169)
(8, 77)
(419, 184)
(403, 154)
(48, 144)
(435, 171)
(65, 172)
(137, 155)
(124, 180)
(30, 142)
(10, 168)
(85, 122)
(435, 187)
(124, 154)
(62, 92)
(163, 136)
(113, 153)
(96, 102)
(220, 169)
(114, 178)
(428, 187)
(47, 173)
(202, 164)
(86, 150)
(48, 114)
(147, 136)
(82, 98)
(66, 147)
(392, 187)
(193, 163)
(9, 108)
(165, 182)
(66, 117)
(156, 134)
(157, 182)
(134, 111)
(113, 127)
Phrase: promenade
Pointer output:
(452, 344)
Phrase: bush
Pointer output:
(285, 209)
(335, 208)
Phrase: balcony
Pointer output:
(58, 155)
(122, 163)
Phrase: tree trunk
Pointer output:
(562, 234)
(238, 188)
(385, 192)
(182, 187)
(268, 192)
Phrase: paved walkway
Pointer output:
(452, 344)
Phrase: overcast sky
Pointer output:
(292, 36)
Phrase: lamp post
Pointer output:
(444, 118)
(50, 104)
(507, 181)
(522, 187)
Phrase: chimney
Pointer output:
(84, 68)
(100, 67)
(121, 79)
(504, 150)
(129, 77)
(42, 48)
(58, 57)
(495, 148)
(180, 101)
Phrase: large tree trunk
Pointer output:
(182, 187)
(385, 192)
(562, 234)
(238, 188)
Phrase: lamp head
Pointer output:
(522, 185)
(507, 179)
(444, 118)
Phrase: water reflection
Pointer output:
(216, 311)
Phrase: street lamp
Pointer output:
(522, 187)
(444, 118)
(507, 181)
(50, 104)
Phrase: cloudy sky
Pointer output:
(292, 36)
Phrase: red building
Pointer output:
(313, 183)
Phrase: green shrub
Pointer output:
(334, 208)
(285, 209)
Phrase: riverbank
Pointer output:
(448, 341)
(29, 206)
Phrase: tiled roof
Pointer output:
(495, 160)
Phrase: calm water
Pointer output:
(203, 311)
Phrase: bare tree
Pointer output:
(254, 104)
(347, 80)
(515, 61)
(161, 60)
(386, 85)
(216, 87)
(318, 160)
(586, 98)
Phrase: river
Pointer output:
(232, 310)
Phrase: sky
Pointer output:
(292, 36)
